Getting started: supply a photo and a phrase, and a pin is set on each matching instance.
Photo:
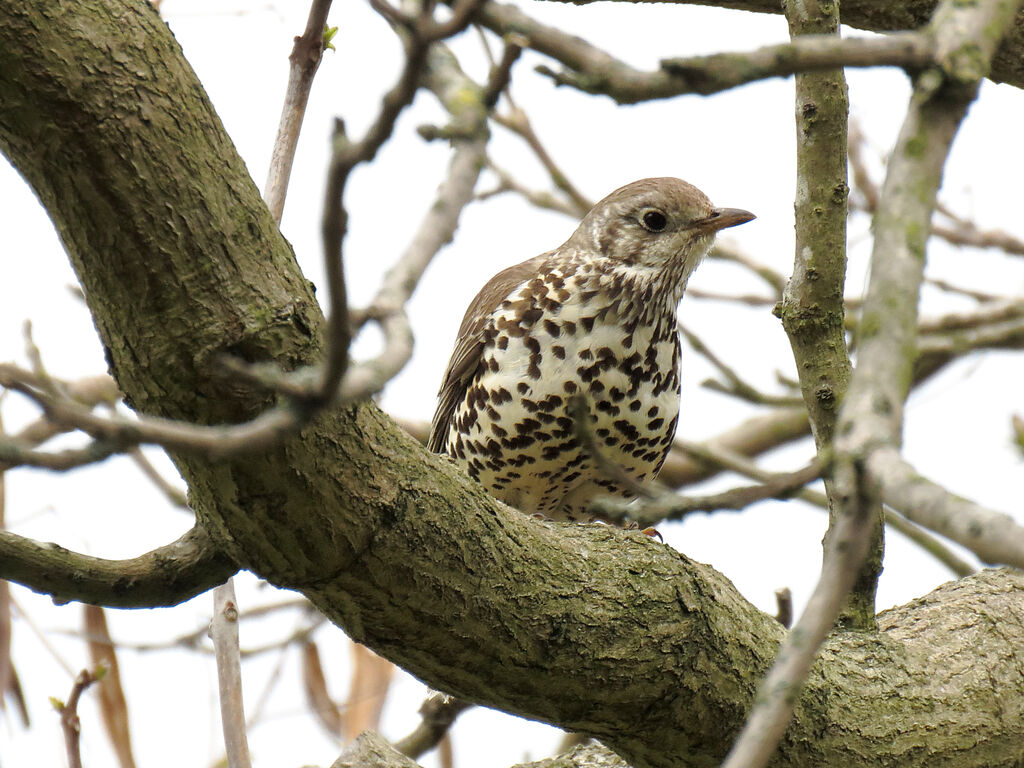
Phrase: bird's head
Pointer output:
(654, 224)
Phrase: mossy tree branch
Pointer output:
(812, 308)
(598, 630)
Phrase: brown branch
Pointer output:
(719, 456)
(519, 123)
(592, 70)
(993, 536)
(784, 607)
(446, 80)
(70, 724)
(438, 713)
(224, 631)
(175, 495)
(304, 61)
(675, 507)
(734, 385)
(166, 576)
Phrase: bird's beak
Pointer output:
(722, 218)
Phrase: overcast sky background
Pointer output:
(738, 147)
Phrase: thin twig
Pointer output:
(519, 123)
(675, 506)
(592, 70)
(70, 723)
(224, 631)
(784, 607)
(438, 713)
(175, 495)
(303, 63)
(734, 385)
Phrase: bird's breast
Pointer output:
(515, 430)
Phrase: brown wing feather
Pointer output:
(470, 343)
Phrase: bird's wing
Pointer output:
(470, 343)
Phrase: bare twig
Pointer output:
(718, 455)
(6, 663)
(314, 683)
(304, 62)
(69, 721)
(501, 72)
(439, 712)
(519, 123)
(541, 199)
(174, 494)
(784, 607)
(224, 631)
(774, 279)
(734, 385)
(592, 70)
(368, 690)
(993, 536)
(676, 507)
(193, 641)
(963, 232)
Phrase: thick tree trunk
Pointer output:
(592, 628)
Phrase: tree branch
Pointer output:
(872, 412)
(304, 62)
(598, 630)
(1007, 63)
(166, 576)
(594, 71)
(224, 631)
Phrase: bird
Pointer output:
(586, 332)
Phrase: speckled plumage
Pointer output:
(595, 318)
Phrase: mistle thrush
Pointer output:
(593, 319)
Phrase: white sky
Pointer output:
(738, 147)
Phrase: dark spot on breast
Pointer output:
(552, 328)
(550, 402)
(527, 425)
(628, 430)
(530, 316)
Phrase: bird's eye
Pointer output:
(654, 221)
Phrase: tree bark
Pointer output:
(598, 630)
(873, 16)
